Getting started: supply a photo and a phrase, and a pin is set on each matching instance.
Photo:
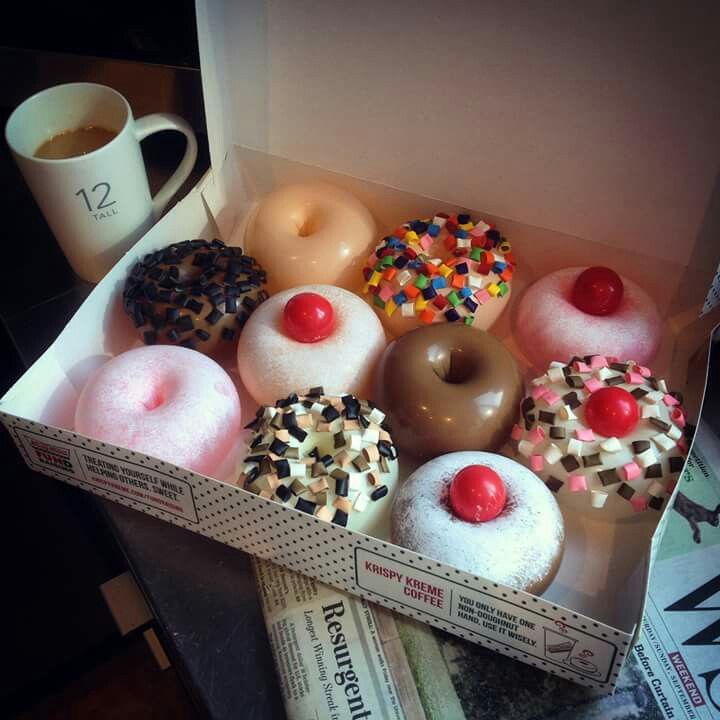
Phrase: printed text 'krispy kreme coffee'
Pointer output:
(412, 587)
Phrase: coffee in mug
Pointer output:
(72, 143)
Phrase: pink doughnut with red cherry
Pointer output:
(310, 336)
(586, 311)
(166, 401)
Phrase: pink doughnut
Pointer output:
(169, 402)
(549, 326)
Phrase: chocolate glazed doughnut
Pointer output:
(447, 389)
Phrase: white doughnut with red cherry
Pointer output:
(314, 335)
(482, 513)
(605, 436)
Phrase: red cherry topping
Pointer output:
(597, 291)
(477, 494)
(308, 317)
(612, 412)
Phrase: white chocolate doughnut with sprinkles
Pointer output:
(605, 436)
(330, 456)
(520, 547)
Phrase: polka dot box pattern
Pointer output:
(331, 554)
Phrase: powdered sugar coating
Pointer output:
(521, 547)
(273, 365)
(170, 402)
(549, 327)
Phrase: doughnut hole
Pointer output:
(309, 224)
(454, 366)
(155, 399)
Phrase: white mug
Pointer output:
(98, 204)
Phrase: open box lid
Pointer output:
(598, 123)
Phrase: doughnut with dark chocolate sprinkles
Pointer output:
(208, 280)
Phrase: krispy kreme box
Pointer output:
(551, 119)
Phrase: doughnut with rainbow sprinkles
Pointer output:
(448, 268)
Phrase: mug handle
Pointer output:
(157, 122)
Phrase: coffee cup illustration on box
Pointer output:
(559, 647)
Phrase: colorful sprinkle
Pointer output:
(480, 260)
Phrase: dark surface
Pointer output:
(126, 684)
(132, 30)
(202, 592)
(57, 550)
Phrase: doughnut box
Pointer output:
(522, 138)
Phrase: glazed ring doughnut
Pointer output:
(169, 402)
(585, 311)
(310, 233)
(330, 456)
(194, 293)
(482, 513)
(607, 437)
(311, 335)
(444, 269)
(448, 388)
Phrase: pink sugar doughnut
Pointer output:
(169, 402)
(310, 233)
(273, 365)
(549, 327)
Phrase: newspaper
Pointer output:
(336, 656)
(342, 658)
(679, 644)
